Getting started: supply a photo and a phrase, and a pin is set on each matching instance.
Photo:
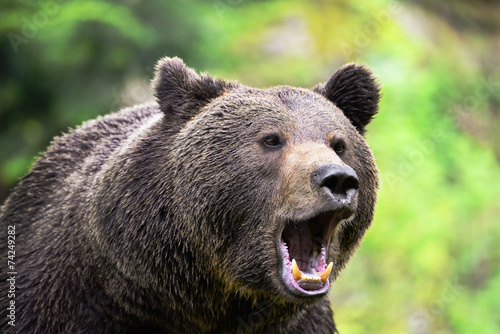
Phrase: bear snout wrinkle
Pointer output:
(337, 180)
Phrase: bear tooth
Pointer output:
(325, 273)
(297, 274)
(310, 278)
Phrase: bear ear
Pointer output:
(353, 89)
(181, 93)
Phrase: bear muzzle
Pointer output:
(320, 192)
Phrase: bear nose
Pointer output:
(338, 180)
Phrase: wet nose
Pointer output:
(338, 180)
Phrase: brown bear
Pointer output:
(219, 208)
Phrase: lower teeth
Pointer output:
(320, 276)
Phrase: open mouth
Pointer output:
(304, 248)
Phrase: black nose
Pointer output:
(339, 180)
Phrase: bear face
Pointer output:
(283, 176)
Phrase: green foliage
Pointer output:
(430, 262)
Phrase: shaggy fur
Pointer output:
(163, 217)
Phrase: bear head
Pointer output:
(277, 186)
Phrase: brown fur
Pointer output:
(163, 217)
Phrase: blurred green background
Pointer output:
(431, 261)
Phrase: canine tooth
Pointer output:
(325, 273)
(297, 274)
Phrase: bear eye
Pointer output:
(271, 141)
(339, 147)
